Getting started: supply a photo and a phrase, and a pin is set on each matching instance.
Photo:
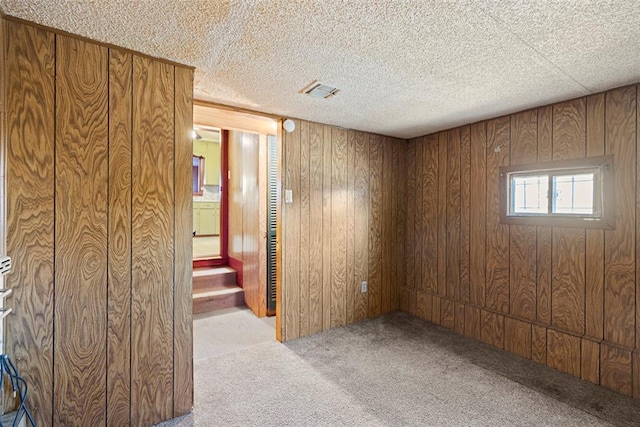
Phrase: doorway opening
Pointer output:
(235, 218)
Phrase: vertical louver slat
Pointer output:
(271, 221)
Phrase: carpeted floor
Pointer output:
(395, 370)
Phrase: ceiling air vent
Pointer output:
(320, 90)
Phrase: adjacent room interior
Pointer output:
(320, 212)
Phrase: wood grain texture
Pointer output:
(594, 274)
(459, 318)
(398, 219)
(465, 221)
(30, 135)
(250, 232)
(442, 213)
(523, 239)
(235, 197)
(350, 285)
(563, 352)
(81, 233)
(619, 251)
(567, 297)
(568, 245)
(315, 232)
(305, 233)
(590, 361)
(418, 218)
(183, 289)
(517, 337)
(326, 227)
(262, 227)
(430, 212)
(539, 344)
(453, 213)
(361, 257)
(436, 310)
(339, 227)
(376, 263)
(635, 368)
(544, 245)
(447, 315)
(615, 369)
(292, 236)
(497, 249)
(411, 213)
(119, 256)
(477, 238)
(153, 242)
(422, 310)
(387, 225)
(492, 328)
(472, 322)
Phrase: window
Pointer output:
(197, 175)
(575, 193)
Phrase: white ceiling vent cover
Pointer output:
(320, 90)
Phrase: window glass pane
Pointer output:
(530, 194)
(573, 194)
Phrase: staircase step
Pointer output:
(209, 278)
(223, 297)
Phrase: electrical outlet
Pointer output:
(363, 288)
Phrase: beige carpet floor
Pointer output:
(394, 370)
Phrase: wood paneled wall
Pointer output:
(341, 229)
(565, 297)
(99, 229)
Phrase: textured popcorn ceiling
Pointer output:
(405, 67)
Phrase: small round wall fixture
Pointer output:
(289, 125)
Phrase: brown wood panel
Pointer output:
(430, 213)
(418, 218)
(568, 245)
(569, 129)
(619, 252)
(81, 233)
(492, 328)
(397, 219)
(447, 317)
(544, 246)
(338, 226)
(250, 208)
(563, 352)
(411, 213)
(261, 223)
(477, 238)
(594, 274)
(497, 252)
(376, 263)
(465, 221)
(183, 289)
(459, 318)
(472, 322)
(350, 283)
(326, 227)
(539, 344)
(615, 369)
(422, 299)
(567, 297)
(453, 213)
(401, 198)
(153, 242)
(304, 263)
(590, 361)
(635, 369)
(517, 337)
(316, 232)
(435, 310)
(30, 133)
(387, 225)
(119, 257)
(361, 223)
(292, 213)
(523, 239)
(442, 213)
